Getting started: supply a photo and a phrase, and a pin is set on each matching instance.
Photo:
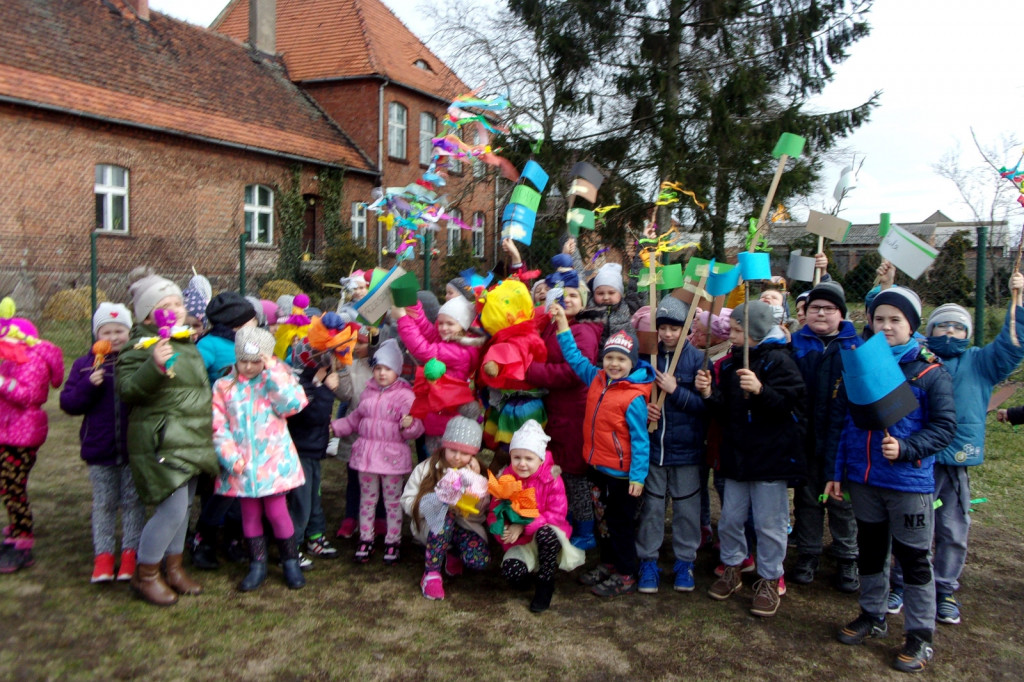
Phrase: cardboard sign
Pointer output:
(906, 252)
(535, 174)
(790, 145)
(589, 173)
(583, 188)
(801, 268)
(828, 226)
(666, 277)
(517, 222)
(377, 301)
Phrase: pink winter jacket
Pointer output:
(381, 447)
(551, 501)
(23, 390)
(424, 343)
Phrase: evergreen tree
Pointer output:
(946, 281)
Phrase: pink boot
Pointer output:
(432, 585)
(453, 564)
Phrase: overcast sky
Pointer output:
(943, 66)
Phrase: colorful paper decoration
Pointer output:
(377, 301)
(754, 266)
(877, 392)
(580, 217)
(583, 188)
(535, 174)
(721, 282)
(790, 145)
(904, 250)
(666, 277)
(525, 196)
(589, 173)
(828, 226)
(403, 290)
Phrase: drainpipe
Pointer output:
(380, 158)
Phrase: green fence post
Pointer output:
(979, 287)
(243, 239)
(94, 271)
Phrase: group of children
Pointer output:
(764, 405)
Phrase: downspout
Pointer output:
(380, 159)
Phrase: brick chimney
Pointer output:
(262, 25)
(140, 7)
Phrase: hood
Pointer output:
(544, 474)
(643, 373)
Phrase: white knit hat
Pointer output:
(110, 312)
(531, 436)
(460, 310)
(149, 291)
(610, 275)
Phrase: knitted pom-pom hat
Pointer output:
(463, 434)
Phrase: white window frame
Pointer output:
(454, 162)
(428, 131)
(254, 210)
(398, 124)
(358, 221)
(479, 233)
(478, 166)
(454, 230)
(110, 193)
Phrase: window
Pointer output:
(478, 166)
(455, 163)
(479, 228)
(392, 238)
(397, 124)
(454, 230)
(259, 214)
(358, 220)
(422, 64)
(111, 190)
(428, 131)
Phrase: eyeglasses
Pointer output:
(955, 326)
(826, 309)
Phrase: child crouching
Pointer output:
(528, 509)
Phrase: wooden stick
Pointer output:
(761, 221)
(817, 272)
(1016, 295)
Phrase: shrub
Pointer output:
(72, 304)
(279, 287)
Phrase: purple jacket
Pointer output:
(104, 429)
(381, 447)
(23, 390)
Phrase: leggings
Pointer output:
(15, 463)
(164, 533)
(113, 489)
(470, 547)
(369, 492)
(548, 547)
(276, 508)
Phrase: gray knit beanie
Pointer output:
(252, 343)
(949, 312)
(671, 311)
(148, 291)
(463, 434)
(761, 318)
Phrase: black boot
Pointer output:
(542, 597)
(293, 577)
(847, 578)
(203, 548)
(257, 564)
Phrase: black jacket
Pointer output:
(311, 428)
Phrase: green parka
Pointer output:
(170, 423)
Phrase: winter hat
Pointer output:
(623, 341)
(460, 310)
(906, 300)
(110, 312)
(761, 318)
(536, 285)
(530, 436)
(196, 295)
(610, 275)
(672, 311)
(389, 355)
(284, 307)
(832, 292)
(719, 323)
(148, 291)
(431, 306)
(230, 309)
(463, 434)
(269, 311)
(460, 285)
(561, 261)
(252, 343)
(949, 312)
(803, 296)
(641, 320)
(261, 315)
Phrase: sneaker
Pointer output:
(915, 655)
(650, 577)
(129, 558)
(321, 547)
(806, 566)
(305, 563)
(615, 585)
(895, 603)
(747, 566)
(103, 568)
(684, 581)
(863, 627)
(766, 598)
(597, 575)
(363, 552)
(391, 553)
(782, 586)
(348, 528)
(453, 564)
(847, 579)
(707, 537)
(727, 584)
(432, 585)
(947, 609)
(13, 559)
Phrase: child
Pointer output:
(538, 540)
(677, 451)
(445, 340)
(381, 454)
(616, 445)
(761, 451)
(890, 478)
(258, 460)
(170, 433)
(460, 538)
(29, 366)
(90, 391)
(607, 306)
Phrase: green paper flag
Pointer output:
(790, 145)
(581, 217)
(670, 277)
(526, 196)
(698, 267)
(883, 224)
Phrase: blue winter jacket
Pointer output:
(218, 356)
(975, 373)
(679, 438)
(921, 434)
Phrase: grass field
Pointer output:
(370, 622)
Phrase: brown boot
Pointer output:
(724, 587)
(766, 598)
(177, 578)
(149, 584)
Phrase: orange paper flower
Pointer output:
(508, 487)
(100, 349)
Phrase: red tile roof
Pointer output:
(330, 39)
(96, 58)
